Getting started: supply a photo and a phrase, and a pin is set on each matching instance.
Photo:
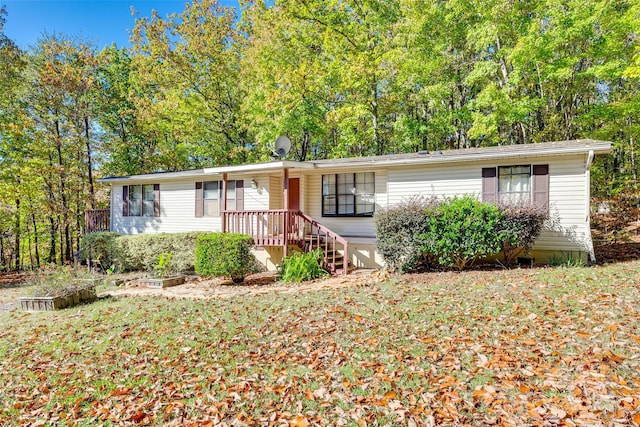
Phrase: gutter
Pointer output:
(587, 179)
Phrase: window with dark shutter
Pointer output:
(209, 197)
(489, 185)
(239, 195)
(540, 185)
(514, 184)
(519, 184)
(199, 200)
(125, 200)
(141, 200)
(156, 200)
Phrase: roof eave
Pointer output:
(600, 148)
(210, 172)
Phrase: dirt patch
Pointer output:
(257, 284)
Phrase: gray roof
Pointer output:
(421, 157)
(472, 153)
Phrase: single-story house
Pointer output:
(331, 203)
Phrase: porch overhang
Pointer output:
(219, 171)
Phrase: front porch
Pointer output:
(290, 230)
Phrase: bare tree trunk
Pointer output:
(65, 246)
(62, 243)
(29, 245)
(92, 198)
(1, 252)
(377, 142)
(304, 145)
(52, 240)
(35, 237)
(18, 260)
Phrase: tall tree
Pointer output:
(187, 72)
(294, 100)
(126, 149)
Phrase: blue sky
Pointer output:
(100, 21)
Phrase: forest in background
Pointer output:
(214, 85)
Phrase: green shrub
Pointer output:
(521, 225)
(164, 266)
(142, 251)
(98, 248)
(302, 266)
(461, 230)
(224, 254)
(398, 229)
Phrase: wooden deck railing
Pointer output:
(288, 228)
(97, 220)
(265, 226)
(317, 236)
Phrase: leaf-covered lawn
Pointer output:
(528, 347)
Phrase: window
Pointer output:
(514, 184)
(141, 200)
(209, 197)
(348, 194)
(518, 184)
(213, 197)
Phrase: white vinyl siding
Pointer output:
(568, 197)
(177, 213)
(566, 230)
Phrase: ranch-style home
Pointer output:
(287, 205)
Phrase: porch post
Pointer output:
(285, 188)
(224, 203)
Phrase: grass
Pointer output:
(523, 346)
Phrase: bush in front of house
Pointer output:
(224, 254)
(461, 230)
(98, 248)
(398, 229)
(137, 252)
(521, 226)
(302, 266)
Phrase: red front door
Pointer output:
(294, 194)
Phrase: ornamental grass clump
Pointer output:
(59, 281)
(302, 266)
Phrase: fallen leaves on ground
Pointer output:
(521, 347)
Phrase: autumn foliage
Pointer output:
(522, 226)
(534, 347)
(398, 229)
